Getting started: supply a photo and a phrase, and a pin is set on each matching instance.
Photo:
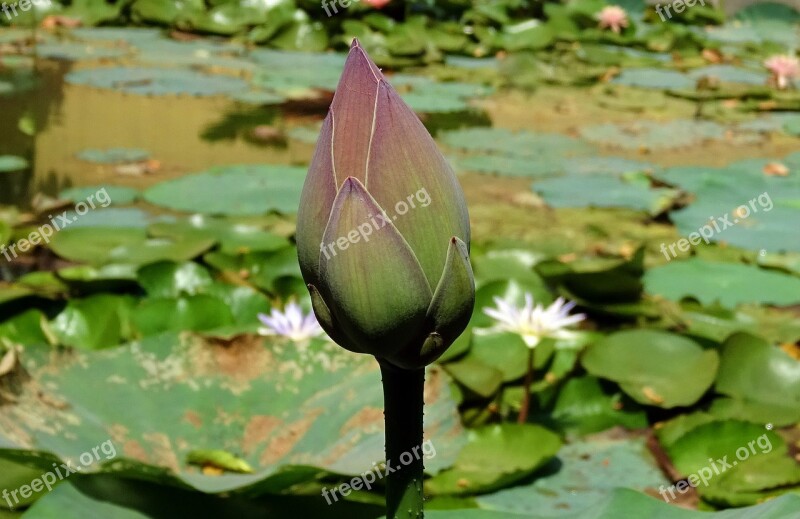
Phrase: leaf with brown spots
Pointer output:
(288, 411)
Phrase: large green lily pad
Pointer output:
(734, 457)
(278, 405)
(157, 81)
(232, 190)
(654, 135)
(762, 376)
(729, 284)
(496, 456)
(642, 363)
(587, 475)
(105, 245)
(632, 191)
(583, 407)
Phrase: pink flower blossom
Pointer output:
(377, 4)
(784, 69)
(613, 17)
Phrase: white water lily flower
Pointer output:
(290, 323)
(534, 322)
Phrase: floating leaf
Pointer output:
(236, 237)
(762, 376)
(95, 322)
(157, 81)
(733, 456)
(118, 195)
(640, 361)
(285, 405)
(606, 191)
(11, 163)
(727, 283)
(583, 407)
(232, 190)
(101, 246)
(113, 155)
(654, 78)
(496, 456)
(643, 134)
(585, 481)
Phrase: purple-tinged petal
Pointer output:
(409, 177)
(353, 108)
(316, 201)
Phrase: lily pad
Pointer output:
(119, 195)
(101, 246)
(641, 362)
(236, 237)
(586, 476)
(519, 144)
(79, 51)
(425, 95)
(654, 78)
(729, 284)
(169, 279)
(196, 313)
(10, 163)
(232, 190)
(632, 191)
(287, 71)
(762, 376)
(24, 328)
(583, 407)
(284, 406)
(157, 81)
(93, 323)
(734, 456)
(113, 155)
(643, 134)
(730, 74)
(496, 456)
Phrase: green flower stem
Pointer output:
(526, 390)
(403, 410)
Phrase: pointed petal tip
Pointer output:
(352, 185)
(358, 53)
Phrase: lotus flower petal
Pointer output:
(354, 115)
(405, 168)
(326, 321)
(380, 291)
(316, 201)
(454, 298)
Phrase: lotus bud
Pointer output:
(382, 229)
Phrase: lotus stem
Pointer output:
(403, 410)
(526, 390)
